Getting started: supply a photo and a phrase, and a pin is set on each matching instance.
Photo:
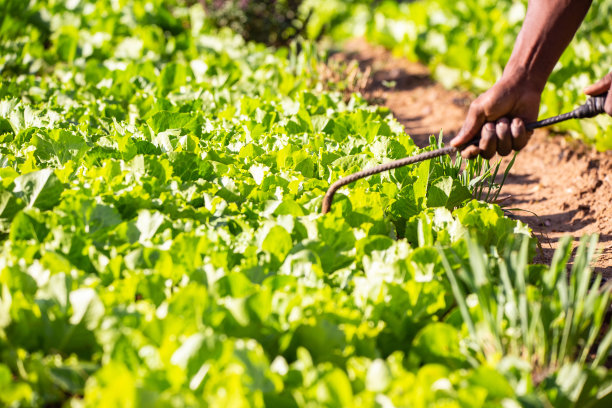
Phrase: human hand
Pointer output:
(599, 87)
(498, 116)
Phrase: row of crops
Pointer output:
(161, 242)
(466, 43)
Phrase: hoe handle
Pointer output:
(592, 107)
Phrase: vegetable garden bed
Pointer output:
(162, 243)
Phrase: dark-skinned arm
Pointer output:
(499, 115)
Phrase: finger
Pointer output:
(520, 135)
(471, 126)
(504, 138)
(488, 141)
(470, 152)
(608, 104)
(600, 86)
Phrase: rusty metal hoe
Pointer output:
(592, 107)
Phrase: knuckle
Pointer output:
(475, 105)
(503, 121)
(488, 99)
(517, 123)
(489, 128)
(488, 111)
(517, 130)
(503, 131)
(475, 109)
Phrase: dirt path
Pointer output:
(566, 185)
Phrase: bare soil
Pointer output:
(557, 186)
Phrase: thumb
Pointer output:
(600, 86)
(471, 127)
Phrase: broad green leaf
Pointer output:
(439, 192)
(278, 242)
(165, 120)
(406, 204)
(27, 226)
(41, 189)
(9, 204)
(67, 43)
(420, 186)
(172, 76)
(58, 146)
(87, 308)
(446, 192)
(6, 130)
(439, 343)
(335, 389)
(493, 381)
(148, 223)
